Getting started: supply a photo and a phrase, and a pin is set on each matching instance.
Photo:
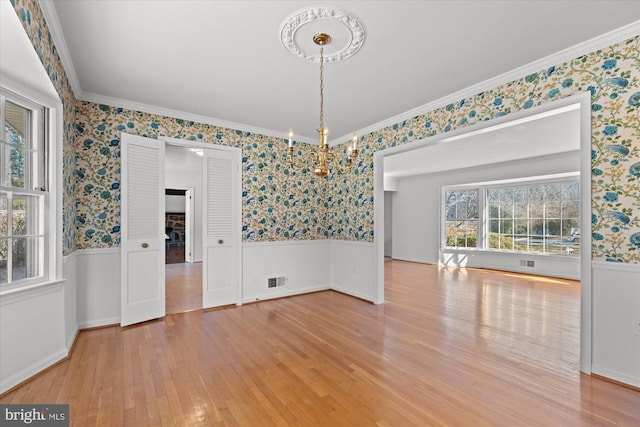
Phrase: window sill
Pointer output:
(505, 253)
(12, 294)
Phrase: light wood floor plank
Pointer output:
(449, 347)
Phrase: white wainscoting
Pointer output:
(98, 287)
(544, 265)
(69, 268)
(306, 264)
(354, 269)
(32, 332)
(616, 321)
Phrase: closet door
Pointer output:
(221, 268)
(142, 229)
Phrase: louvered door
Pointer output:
(142, 229)
(221, 253)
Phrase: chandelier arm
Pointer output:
(312, 156)
(339, 168)
(291, 161)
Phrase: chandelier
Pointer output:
(321, 157)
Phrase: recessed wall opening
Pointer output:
(550, 140)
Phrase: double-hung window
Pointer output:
(23, 190)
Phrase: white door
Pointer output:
(221, 255)
(142, 229)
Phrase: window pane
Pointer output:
(571, 228)
(461, 234)
(552, 210)
(571, 209)
(506, 242)
(4, 218)
(506, 226)
(25, 215)
(536, 227)
(536, 209)
(521, 195)
(520, 227)
(25, 263)
(450, 204)
(521, 210)
(17, 135)
(3, 260)
(493, 211)
(472, 205)
(570, 190)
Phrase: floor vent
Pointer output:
(527, 263)
(276, 282)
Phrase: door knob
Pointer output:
(145, 245)
(220, 241)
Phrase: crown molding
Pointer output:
(620, 34)
(152, 109)
(51, 18)
(53, 22)
(565, 55)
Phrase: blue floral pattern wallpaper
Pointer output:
(33, 22)
(278, 202)
(281, 204)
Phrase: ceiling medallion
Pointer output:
(347, 33)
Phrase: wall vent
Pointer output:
(527, 263)
(276, 282)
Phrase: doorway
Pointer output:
(183, 264)
(433, 146)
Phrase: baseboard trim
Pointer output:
(352, 293)
(611, 375)
(264, 297)
(32, 371)
(101, 323)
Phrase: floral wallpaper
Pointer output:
(36, 28)
(278, 202)
(611, 75)
(282, 204)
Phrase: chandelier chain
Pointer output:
(322, 158)
(322, 86)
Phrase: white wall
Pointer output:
(416, 210)
(69, 269)
(183, 168)
(32, 332)
(306, 264)
(388, 223)
(98, 287)
(351, 269)
(616, 321)
(173, 203)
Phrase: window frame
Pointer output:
(49, 193)
(483, 205)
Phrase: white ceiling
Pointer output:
(223, 60)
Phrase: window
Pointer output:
(23, 190)
(537, 218)
(461, 224)
(541, 215)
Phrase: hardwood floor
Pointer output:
(183, 286)
(449, 347)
